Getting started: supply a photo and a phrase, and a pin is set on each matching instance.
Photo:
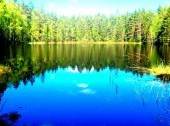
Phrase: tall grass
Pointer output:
(160, 69)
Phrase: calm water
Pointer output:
(84, 85)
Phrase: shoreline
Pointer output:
(95, 43)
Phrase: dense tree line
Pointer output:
(23, 23)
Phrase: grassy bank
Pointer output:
(160, 70)
(109, 42)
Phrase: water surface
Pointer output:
(84, 85)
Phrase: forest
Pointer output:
(21, 23)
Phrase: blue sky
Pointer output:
(92, 7)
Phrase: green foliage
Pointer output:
(22, 23)
(13, 22)
(164, 31)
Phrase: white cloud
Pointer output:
(92, 69)
(88, 91)
(167, 3)
(75, 70)
(74, 1)
(77, 10)
(51, 7)
(71, 70)
(84, 71)
(82, 85)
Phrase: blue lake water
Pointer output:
(109, 97)
(84, 85)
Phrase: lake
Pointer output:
(83, 85)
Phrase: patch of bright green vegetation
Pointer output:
(160, 70)
(109, 42)
(4, 69)
(155, 70)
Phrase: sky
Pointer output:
(93, 7)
